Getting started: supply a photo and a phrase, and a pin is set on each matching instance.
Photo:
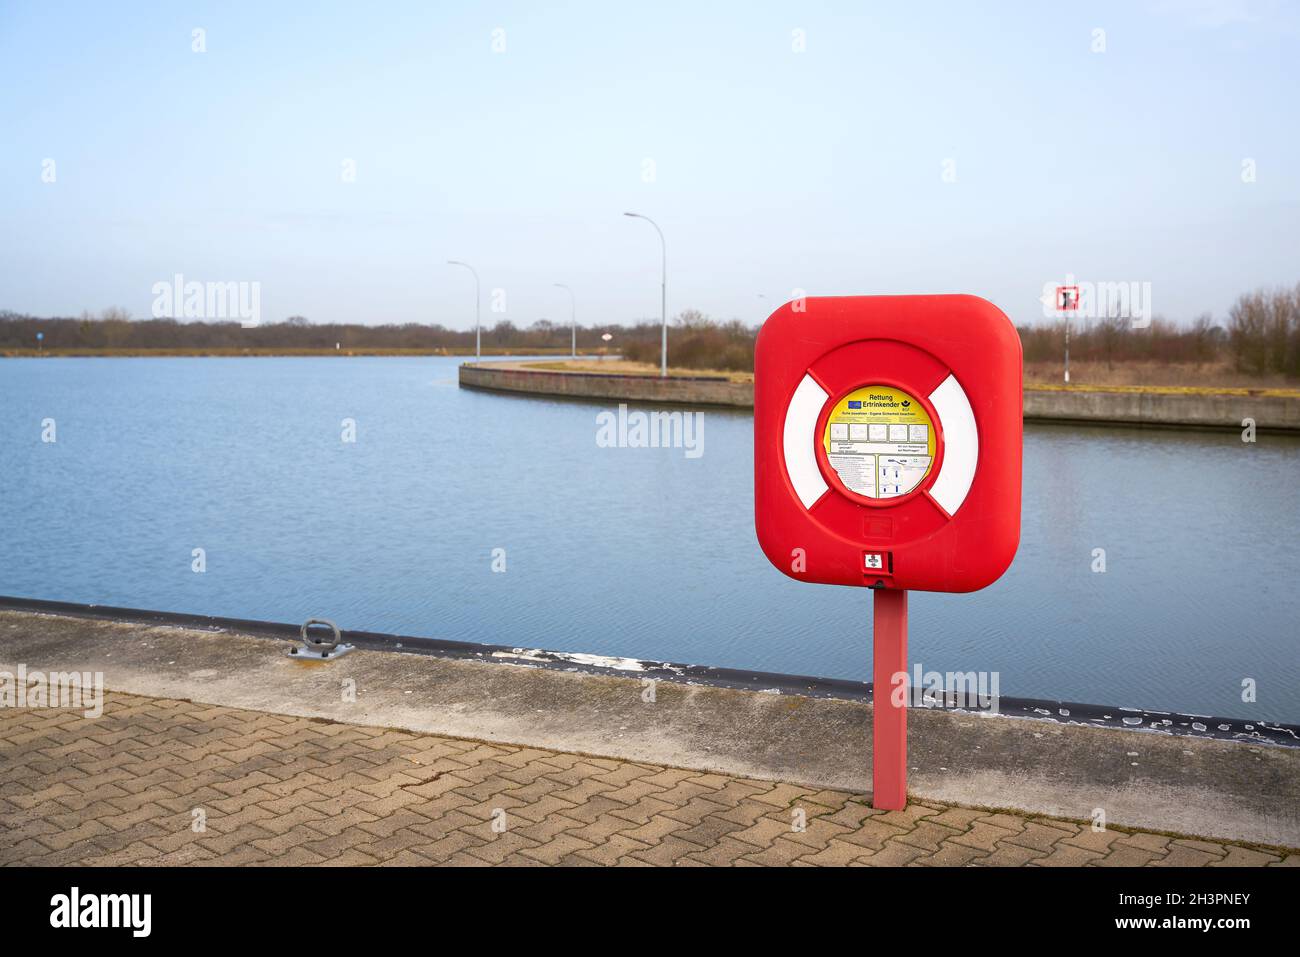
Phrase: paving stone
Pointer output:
(556, 848)
(736, 792)
(929, 835)
(1008, 822)
(1042, 837)
(830, 799)
(781, 852)
(713, 782)
(683, 791)
(953, 855)
(850, 815)
(782, 795)
(709, 831)
(894, 854)
(983, 836)
(610, 851)
(1066, 855)
(1245, 857)
(1180, 856)
(1091, 840)
(386, 824)
(746, 813)
(500, 847)
(643, 810)
(293, 791)
(222, 844)
(351, 857)
(909, 817)
(696, 809)
(136, 853)
(1121, 855)
(597, 807)
(543, 808)
(634, 792)
(1208, 847)
(548, 828)
(583, 792)
(457, 820)
(666, 851)
(726, 852)
(836, 854)
(1008, 855)
(602, 828)
(1158, 843)
(667, 778)
(873, 834)
(763, 832)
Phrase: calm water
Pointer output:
(638, 552)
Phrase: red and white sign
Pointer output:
(940, 504)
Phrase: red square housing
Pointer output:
(888, 426)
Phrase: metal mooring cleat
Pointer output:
(317, 650)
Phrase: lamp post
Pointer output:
(663, 295)
(573, 303)
(478, 326)
(1067, 350)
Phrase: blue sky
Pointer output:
(773, 169)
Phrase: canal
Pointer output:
(489, 518)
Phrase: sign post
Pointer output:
(888, 715)
(887, 455)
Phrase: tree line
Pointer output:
(114, 330)
(1260, 336)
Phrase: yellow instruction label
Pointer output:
(880, 441)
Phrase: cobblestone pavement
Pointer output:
(160, 781)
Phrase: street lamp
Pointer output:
(663, 294)
(573, 303)
(478, 327)
(1067, 350)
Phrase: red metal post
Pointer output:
(889, 717)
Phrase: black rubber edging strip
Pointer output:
(1043, 709)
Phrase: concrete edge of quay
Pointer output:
(1278, 413)
(674, 390)
(1178, 784)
